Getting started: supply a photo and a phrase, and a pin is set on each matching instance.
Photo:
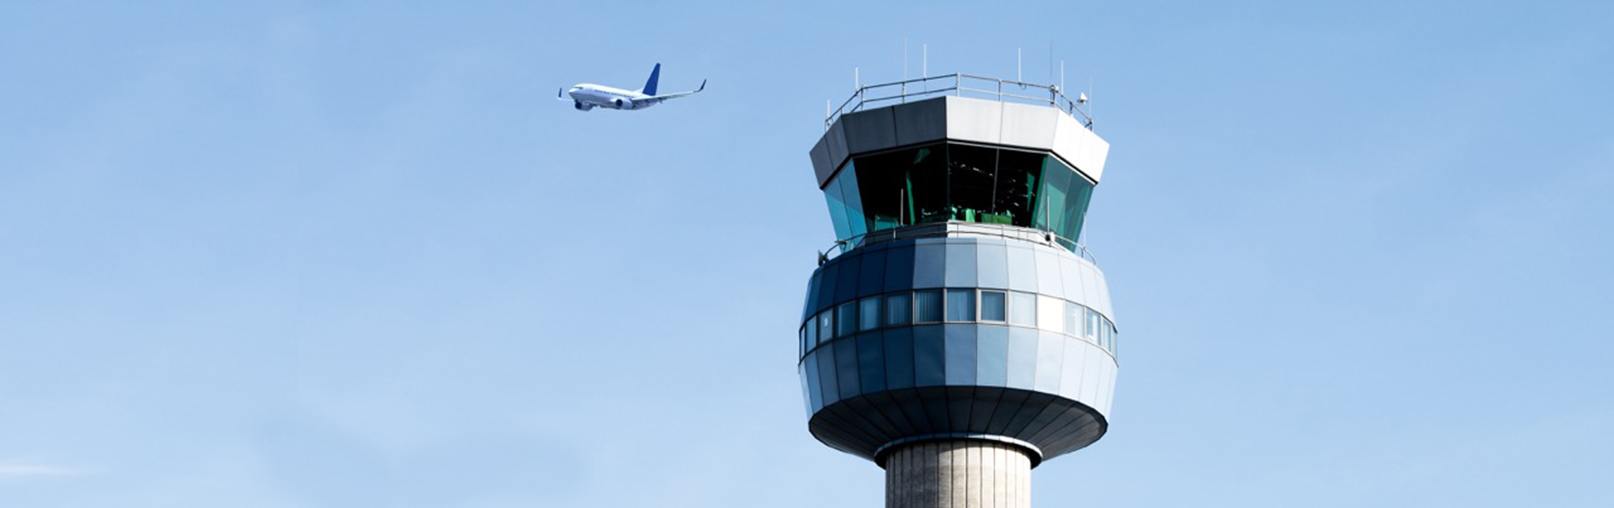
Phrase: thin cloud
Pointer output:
(13, 470)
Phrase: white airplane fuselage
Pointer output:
(589, 96)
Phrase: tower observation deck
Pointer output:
(958, 334)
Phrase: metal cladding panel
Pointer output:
(810, 306)
(1022, 270)
(1070, 272)
(1029, 126)
(974, 120)
(846, 367)
(929, 356)
(961, 354)
(846, 287)
(815, 399)
(1090, 292)
(806, 394)
(823, 167)
(869, 130)
(871, 362)
(919, 122)
(899, 356)
(1049, 282)
(1070, 384)
(871, 273)
(1022, 358)
(992, 258)
(829, 388)
(961, 265)
(1103, 286)
(1090, 375)
(992, 355)
(929, 265)
(899, 268)
(828, 275)
(1050, 356)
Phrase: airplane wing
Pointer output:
(560, 94)
(656, 99)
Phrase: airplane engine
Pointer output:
(582, 107)
(622, 103)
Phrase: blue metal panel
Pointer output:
(899, 358)
(808, 306)
(871, 362)
(1050, 357)
(871, 277)
(1022, 369)
(1022, 270)
(899, 268)
(846, 287)
(815, 398)
(1070, 384)
(831, 390)
(929, 358)
(992, 355)
(960, 264)
(827, 276)
(929, 265)
(992, 258)
(806, 394)
(960, 354)
(846, 368)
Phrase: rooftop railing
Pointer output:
(959, 85)
(955, 228)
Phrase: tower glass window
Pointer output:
(992, 306)
(898, 309)
(960, 305)
(846, 319)
(868, 313)
(826, 326)
(1022, 309)
(927, 306)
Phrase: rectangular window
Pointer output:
(1092, 326)
(993, 306)
(826, 326)
(1023, 309)
(1049, 310)
(898, 309)
(868, 313)
(801, 344)
(846, 319)
(927, 306)
(1073, 318)
(812, 332)
(960, 305)
(1104, 333)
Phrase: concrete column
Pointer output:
(958, 474)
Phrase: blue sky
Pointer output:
(353, 254)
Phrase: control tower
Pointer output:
(957, 333)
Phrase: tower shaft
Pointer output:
(958, 474)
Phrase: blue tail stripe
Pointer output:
(650, 86)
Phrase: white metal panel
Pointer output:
(1090, 375)
(1029, 126)
(1049, 282)
(1070, 270)
(1090, 158)
(1070, 386)
(974, 120)
(1090, 281)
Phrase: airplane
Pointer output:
(587, 96)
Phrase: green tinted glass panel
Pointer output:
(837, 208)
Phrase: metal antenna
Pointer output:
(904, 58)
(924, 67)
(1019, 70)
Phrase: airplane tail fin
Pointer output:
(650, 86)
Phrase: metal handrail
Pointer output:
(958, 85)
(930, 230)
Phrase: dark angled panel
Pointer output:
(960, 354)
(1009, 404)
(893, 412)
(875, 422)
(982, 407)
(1035, 405)
(960, 407)
(899, 368)
(846, 367)
(937, 407)
(960, 264)
(992, 355)
(929, 363)
(899, 268)
(871, 276)
(871, 362)
(810, 306)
